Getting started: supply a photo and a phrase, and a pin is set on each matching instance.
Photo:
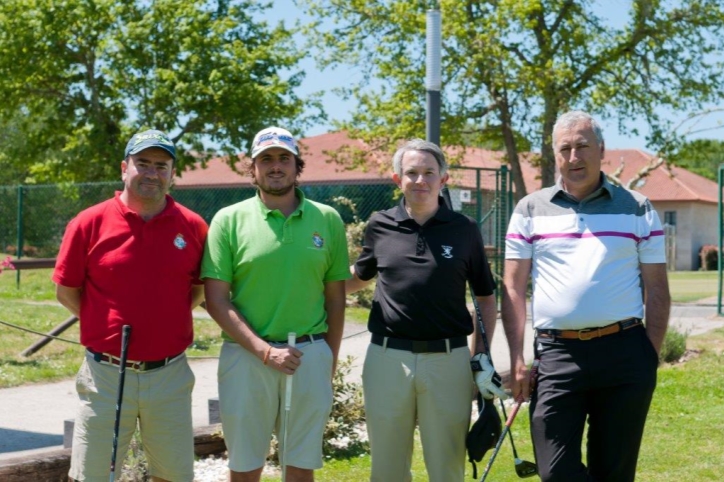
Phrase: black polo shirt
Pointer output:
(423, 270)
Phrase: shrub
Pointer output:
(355, 232)
(709, 256)
(673, 347)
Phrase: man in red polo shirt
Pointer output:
(134, 260)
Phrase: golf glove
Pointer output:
(486, 378)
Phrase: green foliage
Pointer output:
(701, 156)
(514, 66)
(344, 435)
(674, 346)
(355, 231)
(77, 78)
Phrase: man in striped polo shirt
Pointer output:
(595, 253)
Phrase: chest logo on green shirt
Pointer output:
(318, 240)
(179, 242)
(446, 251)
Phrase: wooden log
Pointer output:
(33, 263)
(53, 464)
(208, 440)
(54, 332)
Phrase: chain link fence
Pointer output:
(34, 217)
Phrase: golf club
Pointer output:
(509, 421)
(291, 341)
(523, 468)
(125, 336)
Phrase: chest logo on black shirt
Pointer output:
(179, 241)
(318, 240)
(446, 251)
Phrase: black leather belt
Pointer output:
(141, 366)
(590, 333)
(420, 346)
(300, 339)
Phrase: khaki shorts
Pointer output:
(252, 399)
(158, 400)
(432, 390)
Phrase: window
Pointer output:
(670, 217)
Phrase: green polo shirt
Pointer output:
(277, 266)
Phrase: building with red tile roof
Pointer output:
(684, 200)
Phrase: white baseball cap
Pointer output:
(273, 137)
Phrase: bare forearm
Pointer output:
(334, 304)
(69, 298)
(658, 305)
(354, 284)
(657, 302)
(234, 325)
(513, 313)
(489, 313)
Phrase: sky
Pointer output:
(340, 109)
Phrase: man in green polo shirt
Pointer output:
(275, 264)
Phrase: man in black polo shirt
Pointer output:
(417, 368)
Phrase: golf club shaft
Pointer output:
(291, 341)
(125, 338)
(506, 430)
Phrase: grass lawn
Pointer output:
(683, 438)
(686, 286)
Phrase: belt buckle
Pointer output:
(595, 333)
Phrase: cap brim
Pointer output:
(259, 151)
(133, 152)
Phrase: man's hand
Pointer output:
(486, 378)
(286, 359)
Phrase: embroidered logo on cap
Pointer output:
(318, 240)
(446, 251)
(179, 241)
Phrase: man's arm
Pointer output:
(489, 312)
(219, 306)
(657, 301)
(197, 295)
(69, 297)
(334, 304)
(354, 284)
(513, 311)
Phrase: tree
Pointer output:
(78, 77)
(701, 156)
(515, 66)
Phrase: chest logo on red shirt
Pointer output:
(318, 240)
(179, 241)
(446, 251)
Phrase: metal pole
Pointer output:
(433, 80)
(19, 244)
(719, 254)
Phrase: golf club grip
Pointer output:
(291, 341)
(125, 338)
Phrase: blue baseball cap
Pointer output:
(150, 138)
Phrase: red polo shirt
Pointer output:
(133, 272)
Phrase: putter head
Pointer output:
(525, 469)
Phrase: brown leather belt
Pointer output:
(589, 333)
(141, 366)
